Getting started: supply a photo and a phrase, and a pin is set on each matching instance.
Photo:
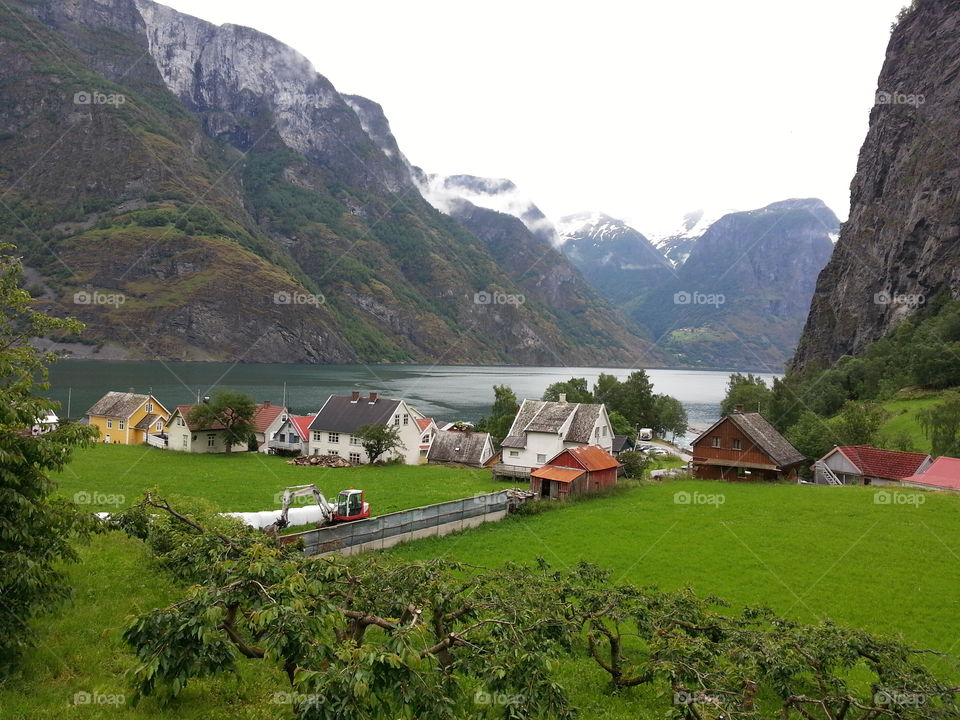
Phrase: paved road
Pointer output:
(682, 454)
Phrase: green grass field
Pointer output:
(902, 418)
(807, 552)
(251, 481)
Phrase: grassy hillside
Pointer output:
(902, 421)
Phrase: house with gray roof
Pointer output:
(543, 429)
(334, 428)
(461, 447)
(129, 418)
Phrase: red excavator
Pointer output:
(350, 506)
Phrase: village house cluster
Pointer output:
(561, 448)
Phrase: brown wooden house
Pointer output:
(744, 446)
(587, 468)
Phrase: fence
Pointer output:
(387, 530)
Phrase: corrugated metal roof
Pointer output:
(559, 474)
(592, 457)
(944, 473)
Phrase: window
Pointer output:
(354, 440)
(180, 422)
(149, 407)
(281, 437)
(211, 440)
(316, 436)
(160, 426)
(333, 452)
(596, 432)
(735, 444)
(514, 453)
(406, 419)
(355, 458)
(184, 442)
(109, 424)
(603, 431)
(425, 439)
(122, 425)
(333, 437)
(396, 419)
(294, 439)
(716, 441)
(541, 458)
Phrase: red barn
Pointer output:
(587, 468)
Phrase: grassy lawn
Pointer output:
(250, 481)
(902, 418)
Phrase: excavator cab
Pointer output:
(350, 506)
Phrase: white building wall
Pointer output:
(319, 442)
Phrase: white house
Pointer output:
(292, 435)
(543, 429)
(185, 436)
(333, 430)
(867, 465)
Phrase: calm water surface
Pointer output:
(445, 392)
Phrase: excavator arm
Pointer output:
(290, 493)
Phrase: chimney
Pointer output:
(373, 398)
(266, 403)
(738, 409)
(563, 397)
(355, 396)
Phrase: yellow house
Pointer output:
(128, 418)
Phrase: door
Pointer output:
(545, 488)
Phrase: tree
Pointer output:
(36, 530)
(621, 426)
(637, 401)
(634, 463)
(378, 440)
(607, 390)
(857, 424)
(502, 413)
(575, 389)
(748, 390)
(811, 435)
(233, 411)
(941, 425)
(670, 415)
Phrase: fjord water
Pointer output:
(446, 392)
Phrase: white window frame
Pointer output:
(211, 439)
(715, 441)
(355, 458)
(109, 423)
(541, 458)
(333, 437)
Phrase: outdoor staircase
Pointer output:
(823, 470)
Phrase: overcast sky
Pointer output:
(644, 110)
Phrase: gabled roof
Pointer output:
(764, 436)
(874, 462)
(550, 417)
(184, 412)
(620, 442)
(341, 414)
(944, 473)
(424, 423)
(147, 422)
(118, 404)
(591, 457)
(301, 423)
(559, 474)
(265, 415)
(458, 447)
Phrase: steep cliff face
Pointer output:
(901, 245)
(296, 220)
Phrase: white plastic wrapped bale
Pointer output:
(311, 514)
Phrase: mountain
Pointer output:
(901, 245)
(677, 244)
(194, 191)
(618, 260)
(741, 297)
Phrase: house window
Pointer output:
(281, 437)
(333, 437)
(109, 424)
(149, 407)
(603, 431)
(423, 452)
(294, 439)
(180, 422)
(333, 452)
(514, 453)
(184, 442)
(316, 436)
(160, 426)
(354, 440)
(425, 439)
(355, 458)
(541, 458)
(211, 440)
(396, 419)
(736, 444)
(596, 432)
(716, 441)
(122, 425)
(406, 419)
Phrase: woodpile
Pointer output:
(330, 461)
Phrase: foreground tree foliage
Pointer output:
(36, 530)
(375, 636)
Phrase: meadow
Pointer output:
(887, 563)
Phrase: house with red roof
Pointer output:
(185, 436)
(586, 468)
(291, 437)
(943, 475)
(867, 465)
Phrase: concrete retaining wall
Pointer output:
(388, 530)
